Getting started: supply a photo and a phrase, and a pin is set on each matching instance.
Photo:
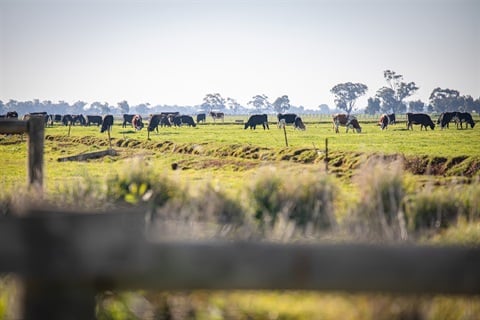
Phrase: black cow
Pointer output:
(154, 122)
(289, 118)
(183, 119)
(386, 119)
(9, 115)
(201, 117)
(55, 118)
(127, 119)
(94, 119)
(67, 119)
(12, 115)
(422, 119)
(298, 124)
(162, 119)
(446, 117)
(107, 123)
(43, 115)
(79, 118)
(467, 118)
(257, 119)
(217, 115)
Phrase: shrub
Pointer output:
(306, 200)
(378, 215)
(139, 183)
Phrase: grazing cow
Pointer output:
(288, 117)
(386, 119)
(446, 117)
(57, 118)
(422, 119)
(54, 118)
(257, 119)
(162, 119)
(12, 115)
(127, 119)
(153, 123)
(9, 115)
(467, 118)
(201, 117)
(67, 119)
(217, 115)
(179, 120)
(43, 115)
(94, 119)
(80, 119)
(107, 123)
(348, 121)
(298, 124)
(137, 122)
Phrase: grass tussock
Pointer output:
(378, 215)
(303, 201)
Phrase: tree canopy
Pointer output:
(392, 97)
(281, 104)
(213, 101)
(260, 103)
(346, 94)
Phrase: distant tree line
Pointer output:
(391, 98)
(388, 99)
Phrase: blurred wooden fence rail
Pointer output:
(35, 128)
(66, 258)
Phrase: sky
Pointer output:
(174, 52)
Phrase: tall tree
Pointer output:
(444, 100)
(214, 101)
(233, 105)
(373, 106)
(392, 96)
(123, 107)
(346, 94)
(281, 104)
(260, 103)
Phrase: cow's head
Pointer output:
(353, 123)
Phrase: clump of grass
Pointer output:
(304, 200)
(378, 216)
(431, 210)
(138, 183)
(85, 193)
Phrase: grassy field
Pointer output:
(232, 160)
(228, 152)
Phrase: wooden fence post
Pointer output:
(36, 135)
(326, 155)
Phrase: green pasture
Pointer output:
(219, 151)
(395, 139)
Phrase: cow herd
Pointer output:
(169, 119)
(422, 119)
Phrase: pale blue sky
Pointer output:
(175, 52)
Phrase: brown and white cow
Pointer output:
(349, 121)
(137, 122)
(386, 119)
